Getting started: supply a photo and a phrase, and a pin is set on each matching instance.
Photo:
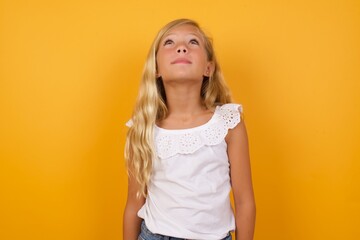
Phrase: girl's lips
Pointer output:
(181, 60)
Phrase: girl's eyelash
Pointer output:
(168, 41)
(192, 41)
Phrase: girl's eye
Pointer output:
(169, 41)
(194, 41)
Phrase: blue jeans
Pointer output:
(145, 234)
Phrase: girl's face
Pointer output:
(182, 56)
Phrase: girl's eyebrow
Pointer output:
(192, 34)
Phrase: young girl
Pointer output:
(186, 146)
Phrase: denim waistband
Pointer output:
(146, 234)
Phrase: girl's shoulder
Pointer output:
(129, 123)
(229, 107)
(230, 114)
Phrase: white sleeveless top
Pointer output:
(188, 193)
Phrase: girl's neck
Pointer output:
(184, 101)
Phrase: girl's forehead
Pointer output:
(184, 29)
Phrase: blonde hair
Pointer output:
(151, 106)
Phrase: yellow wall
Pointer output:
(69, 74)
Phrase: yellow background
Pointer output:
(69, 74)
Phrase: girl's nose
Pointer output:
(181, 50)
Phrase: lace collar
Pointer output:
(186, 141)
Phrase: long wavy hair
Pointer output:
(151, 107)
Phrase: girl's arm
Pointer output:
(131, 222)
(240, 173)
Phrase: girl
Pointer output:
(186, 146)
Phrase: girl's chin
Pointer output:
(182, 78)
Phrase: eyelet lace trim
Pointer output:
(226, 117)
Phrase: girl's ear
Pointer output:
(209, 70)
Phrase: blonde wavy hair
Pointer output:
(151, 107)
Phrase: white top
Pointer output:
(188, 193)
